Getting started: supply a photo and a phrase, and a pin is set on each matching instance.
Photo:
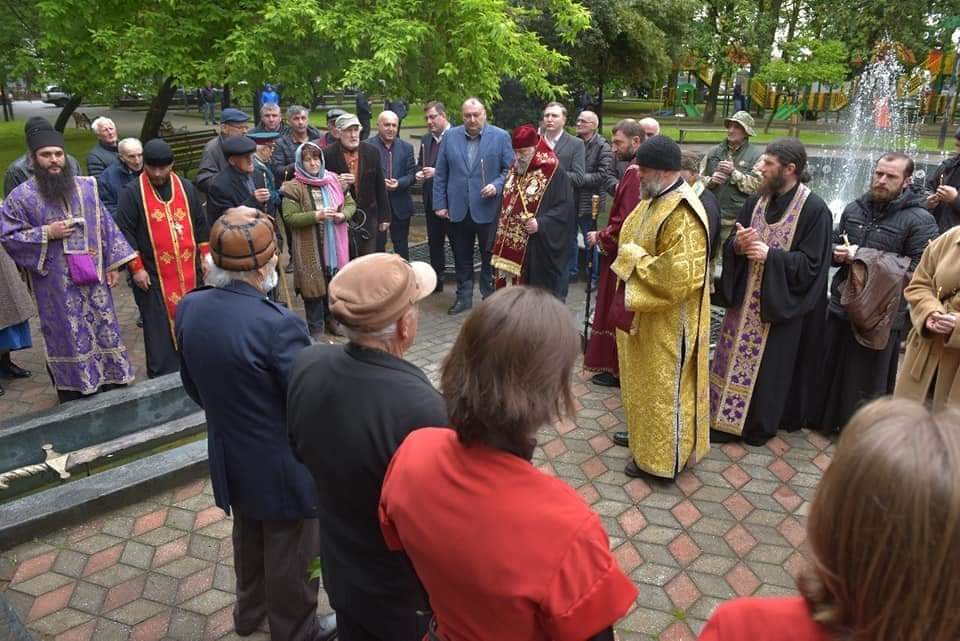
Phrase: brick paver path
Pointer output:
(162, 568)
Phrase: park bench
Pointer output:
(81, 120)
(188, 147)
(710, 135)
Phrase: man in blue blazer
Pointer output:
(399, 169)
(467, 187)
(237, 348)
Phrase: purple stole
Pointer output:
(743, 336)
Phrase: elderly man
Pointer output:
(222, 331)
(53, 227)
(437, 228)
(729, 170)
(235, 185)
(233, 123)
(650, 126)
(270, 120)
(400, 168)
(299, 131)
(263, 168)
(690, 170)
(598, 163)
(942, 186)
(361, 172)
(536, 219)
(471, 169)
(21, 169)
(601, 353)
(104, 152)
(349, 408)
(661, 264)
(333, 134)
(161, 216)
(125, 168)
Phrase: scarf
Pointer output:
(336, 245)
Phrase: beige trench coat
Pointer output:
(935, 287)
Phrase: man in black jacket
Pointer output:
(105, 151)
(942, 187)
(598, 163)
(348, 409)
(358, 164)
(891, 217)
(437, 228)
(235, 186)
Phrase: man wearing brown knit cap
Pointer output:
(349, 408)
(237, 348)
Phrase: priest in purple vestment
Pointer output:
(55, 228)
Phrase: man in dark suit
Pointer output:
(350, 406)
(467, 187)
(233, 123)
(358, 164)
(237, 349)
(398, 164)
(437, 228)
(236, 184)
(571, 154)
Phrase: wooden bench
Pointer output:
(188, 148)
(720, 133)
(81, 120)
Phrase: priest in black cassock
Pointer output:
(774, 286)
(537, 216)
(160, 215)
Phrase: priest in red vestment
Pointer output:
(160, 216)
(537, 218)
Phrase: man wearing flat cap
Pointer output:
(160, 215)
(236, 186)
(237, 349)
(348, 409)
(333, 134)
(537, 218)
(263, 167)
(663, 333)
(54, 227)
(233, 123)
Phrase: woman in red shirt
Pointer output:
(504, 551)
(884, 533)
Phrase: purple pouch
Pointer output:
(82, 269)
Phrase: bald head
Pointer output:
(387, 126)
(650, 126)
(587, 123)
(474, 116)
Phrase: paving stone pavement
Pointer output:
(733, 524)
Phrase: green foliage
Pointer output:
(805, 61)
(315, 569)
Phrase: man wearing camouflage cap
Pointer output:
(729, 169)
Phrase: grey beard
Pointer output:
(55, 186)
(522, 167)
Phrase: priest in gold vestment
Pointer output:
(662, 311)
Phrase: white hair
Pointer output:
(219, 277)
(270, 106)
(358, 335)
(473, 102)
(387, 114)
(650, 121)
(101, 121)
(126, 143)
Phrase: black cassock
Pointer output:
(548, 250)
(793, 299)
(162, 357)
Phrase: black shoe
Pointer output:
(605, 379)
(11, 370)
(632, 470)
(459, 307)
(288, 269)
(622, 439)
(326, 627)
(139, 320)
(245, 631)
(758, 440)
(716, 436)
(439, 287)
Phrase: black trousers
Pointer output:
(438, 229)
(162, 356)
(271, 559)
(465, 235)
(382, 625)
(399, 237)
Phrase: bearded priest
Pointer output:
(537, 218)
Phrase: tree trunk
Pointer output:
(67, 111)
(158, 110)
(710, 109)
(773, 112)
(794, 17)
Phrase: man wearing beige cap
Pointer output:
(237, 348)
(348, 409)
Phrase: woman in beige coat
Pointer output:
(933, 346)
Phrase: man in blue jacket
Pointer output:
(125, 168)
(467, 187)
(399, 170)
(237, 349)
